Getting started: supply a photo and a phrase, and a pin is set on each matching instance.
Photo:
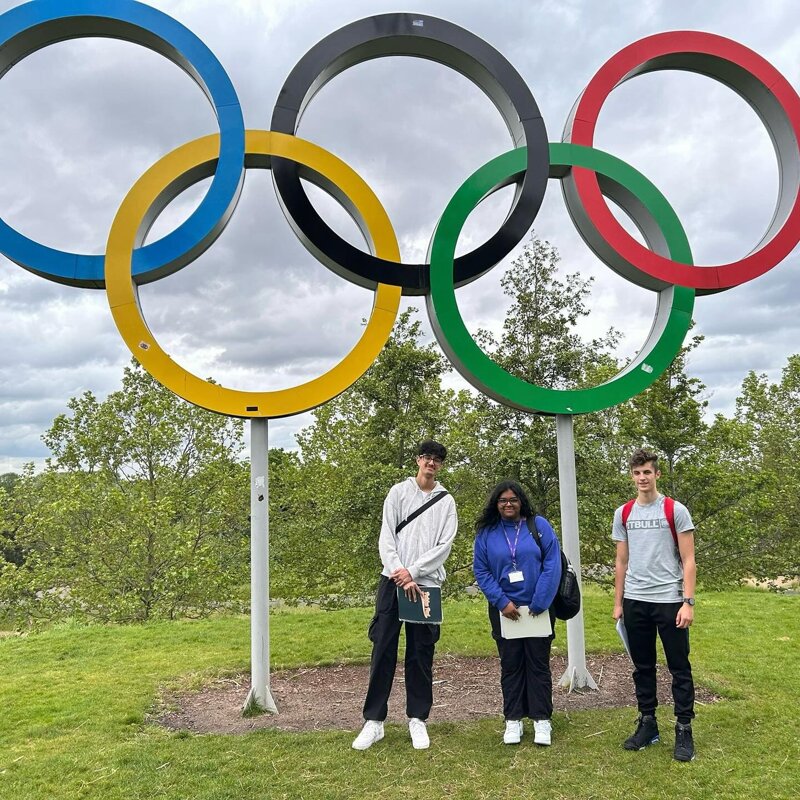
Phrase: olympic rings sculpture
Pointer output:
(587, 177)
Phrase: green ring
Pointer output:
(673, 314)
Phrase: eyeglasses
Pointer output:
(508, 501)
(432, 459)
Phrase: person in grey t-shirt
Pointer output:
(654, 593)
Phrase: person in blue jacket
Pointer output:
(512, 571)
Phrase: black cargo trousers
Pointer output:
(384, 633)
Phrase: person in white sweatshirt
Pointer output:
(411, 558)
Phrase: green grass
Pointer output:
(74, 701)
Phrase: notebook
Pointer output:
(426, 608)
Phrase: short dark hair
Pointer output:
(641, 457)
(431, 448)
(490, 516)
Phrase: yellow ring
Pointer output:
(130, 226)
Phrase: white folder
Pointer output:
(527, 626)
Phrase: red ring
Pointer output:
(635, 59)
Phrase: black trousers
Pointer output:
(642, 621)
(525, 676)
(384, 633)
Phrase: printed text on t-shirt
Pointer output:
(646, 524)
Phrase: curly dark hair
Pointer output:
(431, 448)
(490, 516)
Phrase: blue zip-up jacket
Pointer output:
(541, 568)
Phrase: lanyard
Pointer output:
(512, 550)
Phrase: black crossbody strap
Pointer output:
(424, 507)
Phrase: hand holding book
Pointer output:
(411, 590)
(425, 607)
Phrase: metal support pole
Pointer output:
(576, 675)
(259, 697)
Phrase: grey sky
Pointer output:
(83, 119)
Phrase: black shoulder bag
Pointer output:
(567, 602)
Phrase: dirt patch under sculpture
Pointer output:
(326, 698)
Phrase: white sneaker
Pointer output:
(371, 732)
(541, 731)
(419, 734)
(513, 733)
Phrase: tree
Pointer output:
(15, 504)
(8, 480)
(142, 511)
(764, 524)
(540, 341)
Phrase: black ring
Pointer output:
(448, 44)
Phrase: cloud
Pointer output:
(83, 119)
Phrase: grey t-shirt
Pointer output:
(654, 570)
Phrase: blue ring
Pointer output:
(32, 26)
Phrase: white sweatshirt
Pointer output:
(424, 544)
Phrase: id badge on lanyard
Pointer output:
(515, 576)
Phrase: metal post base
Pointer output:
(573, 678)
(259, 705)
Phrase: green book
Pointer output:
(426, 608)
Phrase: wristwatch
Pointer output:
(689, 601)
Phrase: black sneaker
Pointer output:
(684, 743)
(646, 733)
